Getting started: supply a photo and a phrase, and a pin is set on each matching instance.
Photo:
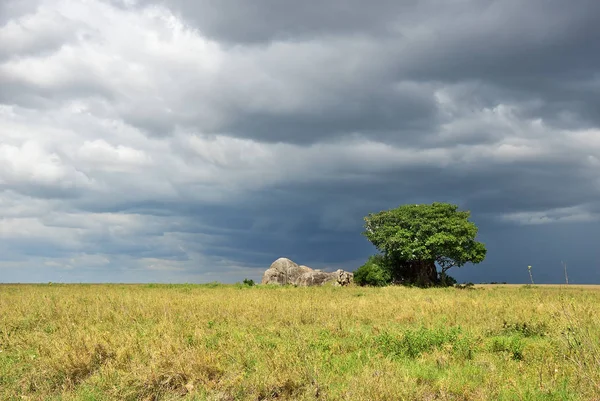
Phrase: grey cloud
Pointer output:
(538, 51)
(266, 20)
(535, 47)
(16, 91)
(271, 131)
(11, 9)
(392, 116)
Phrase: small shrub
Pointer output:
(527, 286)
(373, 273)
(467, 286)
(512, 344)
(248, 282)
(446, 280)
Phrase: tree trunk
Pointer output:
(422, 273)
(426, 273)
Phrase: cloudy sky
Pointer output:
(193, 141)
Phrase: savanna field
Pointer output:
(235, 342)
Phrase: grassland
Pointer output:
(213, 342)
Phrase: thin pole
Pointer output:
(566, 276)
(530, 276)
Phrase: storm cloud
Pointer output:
(196, 141)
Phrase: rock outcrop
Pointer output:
(283, 271)
(343, 278)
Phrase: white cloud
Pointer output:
(104, 155)
(30, 163)
(559, 215)
(46, 30)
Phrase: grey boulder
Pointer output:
(284, 271)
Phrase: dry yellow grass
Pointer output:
(151, 342)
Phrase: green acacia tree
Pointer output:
(417, 239)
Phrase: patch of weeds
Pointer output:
(264, 341)
(323, 343)
(77, 368)
(582, 347)
(186, 288)
(212, 341)
(464, 347)
(191, 340)
(249, 365)
(286, 390)
(170, 382)
(425, 374)
(561, 393)
(511, 344)
(8, 368)
(528, 287)
(158, 385)
(413, 343)
(213, 284)
(88, 393)
(271, 286)
(526, 329)
(50, 328)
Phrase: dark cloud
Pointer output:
(265, 20)
(392, 116)
(511, 249)
(199, 141)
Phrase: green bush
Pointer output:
(448, 281)
(467, 286)
(248, 282)
(374, 272)
(414, 342)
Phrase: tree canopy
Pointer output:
(416, 239)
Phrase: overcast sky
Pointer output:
(193, 141)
